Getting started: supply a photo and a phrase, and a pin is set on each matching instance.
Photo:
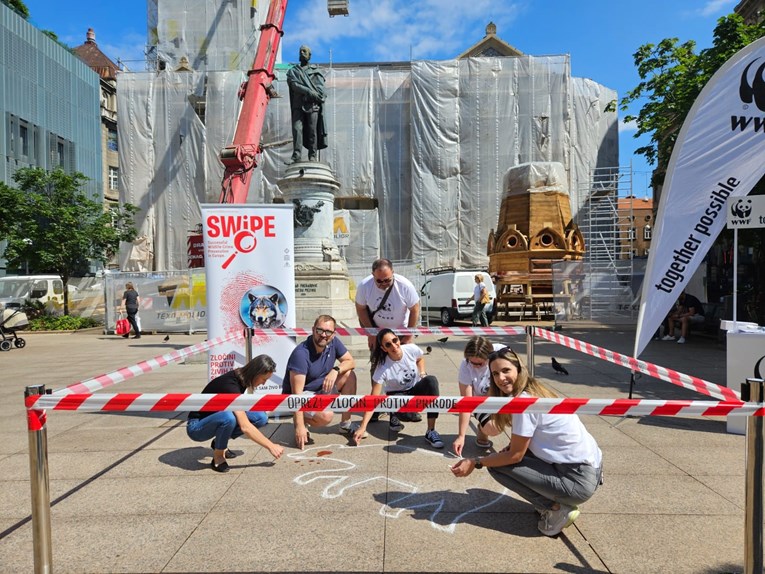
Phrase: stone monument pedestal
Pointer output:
(321, 275)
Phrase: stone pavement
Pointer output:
(131, 493)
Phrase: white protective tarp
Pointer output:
(430, 141)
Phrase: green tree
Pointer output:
(19, 6)
(672, 76)
(52, 227)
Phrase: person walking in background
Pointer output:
(689, 311)
(223, 426)
(551, 461)
(311, 369)
(473, 378)
(400, 370)
(130, 303)
(481, 299)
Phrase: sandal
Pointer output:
(483, 444)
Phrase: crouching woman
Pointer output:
(551, 461)
(222, 426)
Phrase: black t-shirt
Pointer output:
(691, 301)
(131, 299)
(228, 383)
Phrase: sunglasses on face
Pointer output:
(383, 281)
(390, 343)
(323, 332)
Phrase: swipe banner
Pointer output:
(250, 275)
(719, 155)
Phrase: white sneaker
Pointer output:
(553, 521)
(681, 340)
(667, 338)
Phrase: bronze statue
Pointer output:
(307, 96)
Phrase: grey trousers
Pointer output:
(543, 484)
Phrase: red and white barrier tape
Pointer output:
(347, 331)
(284, 404)
(124, 373)
(674, 377)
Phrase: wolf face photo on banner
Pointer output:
(263, 307)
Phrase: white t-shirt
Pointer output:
(401, 375)
(395, 312)
(557, 438)
(476, 377)
(477, 291)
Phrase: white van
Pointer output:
(47, 289)
(444, 295)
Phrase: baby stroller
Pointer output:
(10, 321)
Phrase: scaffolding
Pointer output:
(604, 287)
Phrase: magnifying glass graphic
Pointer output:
(244, 242)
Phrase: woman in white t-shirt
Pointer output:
(400, 370)
(473, 379)
(479, 292)
(551, 461)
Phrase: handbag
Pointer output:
(485, 297)
(122, 327)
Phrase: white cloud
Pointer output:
(387, 30)
(630, 126)
(713, 7)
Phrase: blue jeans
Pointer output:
(543, 484)
(222, 426)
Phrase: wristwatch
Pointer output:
(477, 462)
(336, 368)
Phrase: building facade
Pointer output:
(635, 221)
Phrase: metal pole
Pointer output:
(248, 345)
(40, 484)
(735, 279)
(530, 349)
(755, 441)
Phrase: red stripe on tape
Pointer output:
(36, 420)
(568, 407)
(268, 403)
(670, 410)
(169, 402)
(219, 402)
(121, 402)
(620, 407)
(723, 409)
(71, 402)
(517, 405)
(467, 404)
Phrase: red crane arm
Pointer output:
(241, 156)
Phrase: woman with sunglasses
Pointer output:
(222, 426)
(400, 370)
(473, 379)
(551, 461)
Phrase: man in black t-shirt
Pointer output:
(689, 311)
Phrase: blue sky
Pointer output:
(599, 35)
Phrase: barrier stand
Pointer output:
(40, 483)
(632, 382)
(248, 345)
(530, 350)
(752, 391)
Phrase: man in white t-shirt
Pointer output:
(400, 309)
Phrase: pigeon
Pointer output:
(166, 339)
(428, 350)
(443, 340)
(558, 368)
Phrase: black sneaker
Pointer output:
(395, 424)
(375, 418)
(410, 417)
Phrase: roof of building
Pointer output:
(625, 203)
(490, 46)
(99, 62)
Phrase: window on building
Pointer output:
(111, 141)
(647, 232)
(631, 234)
(114, 177)
(24, 140)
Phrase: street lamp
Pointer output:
(28, 243)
